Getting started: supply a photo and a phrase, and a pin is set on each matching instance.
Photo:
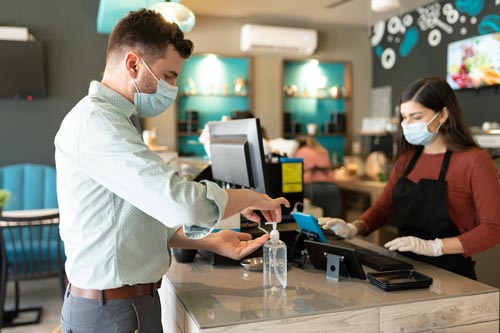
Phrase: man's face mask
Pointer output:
(418, 133)
(151, 105)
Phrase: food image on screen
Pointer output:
(474, 62)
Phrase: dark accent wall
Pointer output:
(75, 55)
(415, 57)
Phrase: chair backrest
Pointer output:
(31, 247)
(32, 186)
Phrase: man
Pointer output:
(120, 205)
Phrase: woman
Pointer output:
(317, 166)
(318, 176)
(443, 189)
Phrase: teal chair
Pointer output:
(30, 246)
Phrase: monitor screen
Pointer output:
(231, 162)
(242, 141)
(474, 62)
(22, 69)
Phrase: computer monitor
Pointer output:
(237, 153)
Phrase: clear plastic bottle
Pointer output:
(275, 262)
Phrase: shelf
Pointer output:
(212, 95)
(374, 133)
(287, 134)
(480, 131)
(188, 133)
(304, 103)
(312, 97)
(213, 78)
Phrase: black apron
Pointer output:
(422, 209)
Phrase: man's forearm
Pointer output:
(237, 201)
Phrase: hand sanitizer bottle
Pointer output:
(275, 263)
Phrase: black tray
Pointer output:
(399, 280)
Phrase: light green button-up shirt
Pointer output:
(119, 202)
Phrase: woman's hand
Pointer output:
(430, 248)
(338, 226)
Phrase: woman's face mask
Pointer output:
(151, 105)
(418, 133)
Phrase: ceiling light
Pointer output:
(384, 5)
(175, 12)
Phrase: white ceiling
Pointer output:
(348, 12)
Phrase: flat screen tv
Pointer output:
(22, 70)
(474, 62)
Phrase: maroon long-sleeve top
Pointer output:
(473, 195)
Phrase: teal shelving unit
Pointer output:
(318, 93)
(210, 87)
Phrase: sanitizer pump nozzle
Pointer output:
(275, 264)
(275, 234)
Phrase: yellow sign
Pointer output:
(291, 173)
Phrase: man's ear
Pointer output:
(132, 61)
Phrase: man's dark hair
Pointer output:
(148, 33)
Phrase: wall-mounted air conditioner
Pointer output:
(271, 39)
(14, 33)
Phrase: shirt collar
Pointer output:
(98, 89)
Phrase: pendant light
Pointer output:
(173, 11)
(384, 5)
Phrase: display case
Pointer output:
(316, 100)
(210, 87)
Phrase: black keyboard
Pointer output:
(375, 260)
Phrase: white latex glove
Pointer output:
(430, 248)
(339, 227)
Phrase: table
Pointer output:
(198, 297)
(371, 187)
(30, 212)
(350, 187)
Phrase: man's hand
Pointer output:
(430, 248)
(339, 227)
(270, 208)
(231, 244)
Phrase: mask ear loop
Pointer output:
(434, 118)
(149, 69)
(136, 87)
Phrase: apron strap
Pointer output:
(444, 165)
(413, 160)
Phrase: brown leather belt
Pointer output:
(127, 291)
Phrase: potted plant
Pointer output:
(4, 198)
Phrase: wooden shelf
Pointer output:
(287, 134)
(318, 106)
(313, 97)
(211, 100)
(188, 133)
(212, 95)
(374, 133)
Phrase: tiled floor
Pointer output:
(46, 293)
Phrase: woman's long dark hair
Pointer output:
(435, 93)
